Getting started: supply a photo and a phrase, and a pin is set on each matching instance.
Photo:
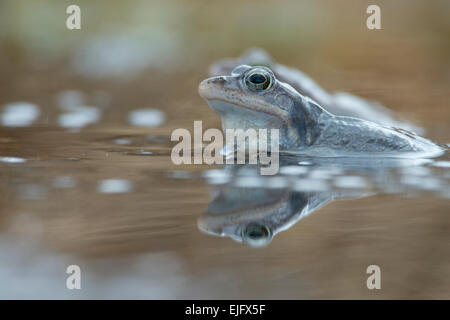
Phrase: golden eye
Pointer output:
(258, 80)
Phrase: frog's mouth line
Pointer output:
(211, 92)
(258, 110)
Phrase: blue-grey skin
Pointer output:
(305, 127)
(255, 215)
(338, 103)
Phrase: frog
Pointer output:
(253, 209)
(252, 97)
(254, 216)
(338, 103)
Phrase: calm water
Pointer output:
(140, 227)
(87, 179)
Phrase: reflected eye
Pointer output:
(258, 80)
(257, 235)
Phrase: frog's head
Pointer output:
(251, 57)
(252, 215)
(251, 97)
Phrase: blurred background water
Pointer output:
(86, 176)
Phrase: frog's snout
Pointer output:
(207, 87)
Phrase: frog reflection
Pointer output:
(255, 215)
(253, 212)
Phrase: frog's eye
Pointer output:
(258, 79)
(257, 235)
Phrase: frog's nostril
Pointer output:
(217, 80)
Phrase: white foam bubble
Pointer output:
(293, 170)
(146, 117)
(12, 160)
(216, 176)
(79, 117)
(249, 182)
(351, 182)
(115, 186)
(19, 114)
(122, 141)
(320, 174)
(276, 182)
(310, 185)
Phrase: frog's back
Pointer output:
(341, 103)
(356, 137)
